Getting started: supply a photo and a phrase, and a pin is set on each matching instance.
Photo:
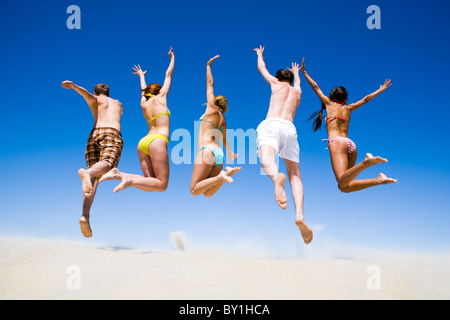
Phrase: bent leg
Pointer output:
(155, 168)
(361, 184)
(88, 199)
(298, 196)
(95, 171)
(206, 177)
(345, 171)
(229, 171)
(268, 154)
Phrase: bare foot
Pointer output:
(230, 171)
(113, 174)
(85, 227)
(305, 231)
(371, 160)
(382, 179)
(223, 175)
(126, 181)
(86, 184)
(280, 194)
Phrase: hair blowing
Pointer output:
(153, 89)
(222, 103)
(339, 94)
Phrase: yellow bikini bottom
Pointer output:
(148, 139)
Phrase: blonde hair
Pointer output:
(221, 102)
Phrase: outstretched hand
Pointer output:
(68, 84)
(212, 59)
(295, 67)
(303, 65)
(171, 53)
(139, 71)
(233, 156)
(259, 51)
(386, 85)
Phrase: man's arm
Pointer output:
(295, 70)
(356, 105)
(314, 85)
(89, 97)
(168, 80)
(262, 66)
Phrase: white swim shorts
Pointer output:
(281, 135)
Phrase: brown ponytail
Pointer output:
(319, 117)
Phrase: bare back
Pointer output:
(284, 101)
(157, 107)
(337, 119)
(212, 127)
(107, 112)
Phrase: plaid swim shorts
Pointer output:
(104, 144)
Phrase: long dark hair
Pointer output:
(338, 94)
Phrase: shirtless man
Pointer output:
(104, 145)
(277, 133)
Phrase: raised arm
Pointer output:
(137, 70)
(356, 105)
(262, 66)
(210, 97)
(314, 85)
(89, 97)
(230, 153)
(168, 80)
(295, 70)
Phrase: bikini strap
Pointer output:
(340, 102)
(201, 119)
(161, 114)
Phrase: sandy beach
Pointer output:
(44, 269)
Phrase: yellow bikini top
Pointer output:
(161, 114)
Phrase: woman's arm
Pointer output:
(210, 97)
(137, 70)
(314, 85)
(230, 153)
(356, 105)
(168, 80)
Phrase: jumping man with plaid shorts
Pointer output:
(104, 145)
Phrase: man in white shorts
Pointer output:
(277, 133)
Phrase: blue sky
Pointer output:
(45, 127)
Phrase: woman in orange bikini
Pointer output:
(152, 149)
(343, 151)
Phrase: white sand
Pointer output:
(38, 269)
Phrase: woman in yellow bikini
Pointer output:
(208, 176)
(343, 151)
(152, 149)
